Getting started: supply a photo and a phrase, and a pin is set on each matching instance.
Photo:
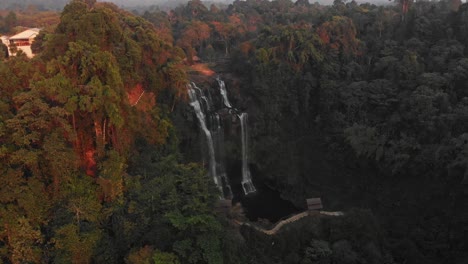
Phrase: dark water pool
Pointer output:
(265, 204)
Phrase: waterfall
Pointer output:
(218, 136)
(247, 184)
(195, 103)
(211, 124)
(222, 89)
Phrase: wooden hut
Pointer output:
(314, 204)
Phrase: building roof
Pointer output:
(26, 34)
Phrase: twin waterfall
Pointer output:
(211, 126)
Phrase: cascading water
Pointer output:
(222, 89)
(247, 184)
(218, 136)
(195, 103)
(211, 125)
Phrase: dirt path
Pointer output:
(289, 220)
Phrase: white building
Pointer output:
(22, 41)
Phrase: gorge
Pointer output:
(219, 122)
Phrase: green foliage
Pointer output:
(81, 194)
(181, 198)
(365, 141)
(165, 258)
(73, 246)
(318, 250)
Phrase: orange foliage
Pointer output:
(147, 102)
(246, 48)
(196, 33)
(237, 23)
(223, 29)
(323, 34)
(134, 94)
(218, 26)
(203, 69)
(121, 138)
(164, 33)
(252, 25)
(144, 102)
(90, 162)
(139, 98)
(163, 56)
(143, 255)
(235, 19)
(84, 147)
(340, 34)
(193, 36)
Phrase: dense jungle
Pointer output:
(104, 156)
